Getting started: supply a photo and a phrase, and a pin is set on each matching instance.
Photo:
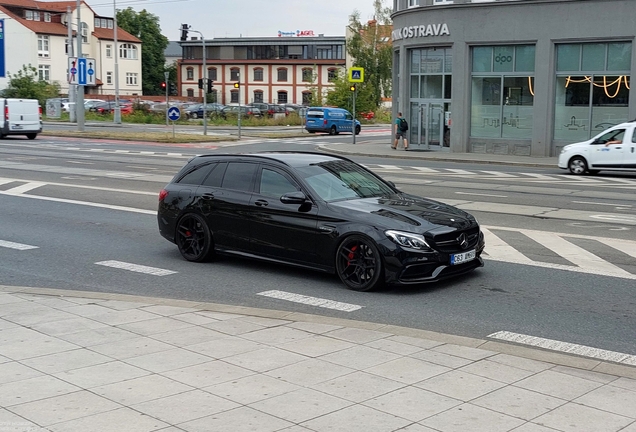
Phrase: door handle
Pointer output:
(261, 203)
(208, 196)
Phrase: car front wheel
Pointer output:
(333, 130)
(357, 130)
(577, 165)
(359, 264)
(194, 238)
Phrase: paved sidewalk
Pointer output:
(79, 361)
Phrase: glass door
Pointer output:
(428, 132)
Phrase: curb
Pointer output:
(557, 358)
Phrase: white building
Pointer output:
(36, 33)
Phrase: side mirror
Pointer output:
(297, 197)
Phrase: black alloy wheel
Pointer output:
(577, 165)
(193, 238)
(357, 130)
(359, 265)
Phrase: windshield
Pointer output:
(342, 180)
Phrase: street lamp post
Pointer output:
(205, 84)
(117, 112)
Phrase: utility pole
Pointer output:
(184, 29)
(71, 87)
(117, 112)
(167, 76)
(79, 101)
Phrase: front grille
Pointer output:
(449, 242)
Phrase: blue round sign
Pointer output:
(73, 70)
(90, 72)
(174, 113)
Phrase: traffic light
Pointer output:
(237, 85)
(352, 87)
(184, 31)
(201, 83)
(173, 89)
(163, 86)
(210, 85)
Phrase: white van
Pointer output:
(614, 149)
(20, 117)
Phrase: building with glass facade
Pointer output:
(522, 77)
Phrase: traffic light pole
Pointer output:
(79, 97)
(353, 124)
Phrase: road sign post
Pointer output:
(356, 75)
(173, 114)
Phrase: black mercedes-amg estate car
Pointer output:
(316, 211)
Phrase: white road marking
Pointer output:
(601, 204)
(499, 250)
(17, 246)
(460, 171)
(480, 194)
(24, 188)
(81, 162)
(136, 268)
(312, 301)
(627, 247)
(84, 203)
(500, 174)
(391, 167)
(426, 170)
(566, 347)
(6, 181)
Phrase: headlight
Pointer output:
(566, 148)
(408, 240)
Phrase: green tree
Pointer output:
(370, 47)
(145, 26)
(26, 85)
(342, 96)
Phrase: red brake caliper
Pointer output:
(351, 255)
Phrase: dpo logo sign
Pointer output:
(501, 59)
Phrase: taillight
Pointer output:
(324, 122)
(163, 194)
(40, 111)
(6, 113)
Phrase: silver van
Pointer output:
(20, 117)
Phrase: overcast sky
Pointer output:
(247, 18)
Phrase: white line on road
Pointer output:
(566, 347)
(480, 194)
(24, 188)
(136, 268)
(312, 301)
(17, 246)
(601, 204)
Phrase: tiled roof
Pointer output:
(109, 34)
(41, 27)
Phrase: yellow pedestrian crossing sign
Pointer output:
(356, 74)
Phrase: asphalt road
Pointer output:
(85, 202)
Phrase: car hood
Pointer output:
(406, 212)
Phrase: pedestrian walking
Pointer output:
(401, 127)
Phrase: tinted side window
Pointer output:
(634, 136)
(274, 184)
(196, 176)
(216, 176)
(239, 176)
(615, 135)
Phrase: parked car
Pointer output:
(332, 120)
(102, 107)
(196, 111)
(613, 149)
(316, 211)
(270, 110)
(246, 111)
(20, 117)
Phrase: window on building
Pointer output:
(47, 17)
(44, 72)
(109, 50)
(109, 77)
(592, 88)
(43, 46)
(282, 74)
(84, 32)
(235, 74)
(97, 23)
(131, 78)
(128, 51)
(234, 96)
(190, 92)
(258, 74)
(332, 74)
(103, 22)
(306, 98)
(110, 24)
(212, 74)
(282, 97)
(413, 3)
(308, 74)
(258, 96)
(330, 52)
(502, 91)
(190, 74)
(36, 16)
(28, 14)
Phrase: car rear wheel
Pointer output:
(577, 165)
(31, 136)
(194, 238)
(333, 130)
(359, 264)
(357, 130)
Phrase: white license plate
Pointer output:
(463, 257)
